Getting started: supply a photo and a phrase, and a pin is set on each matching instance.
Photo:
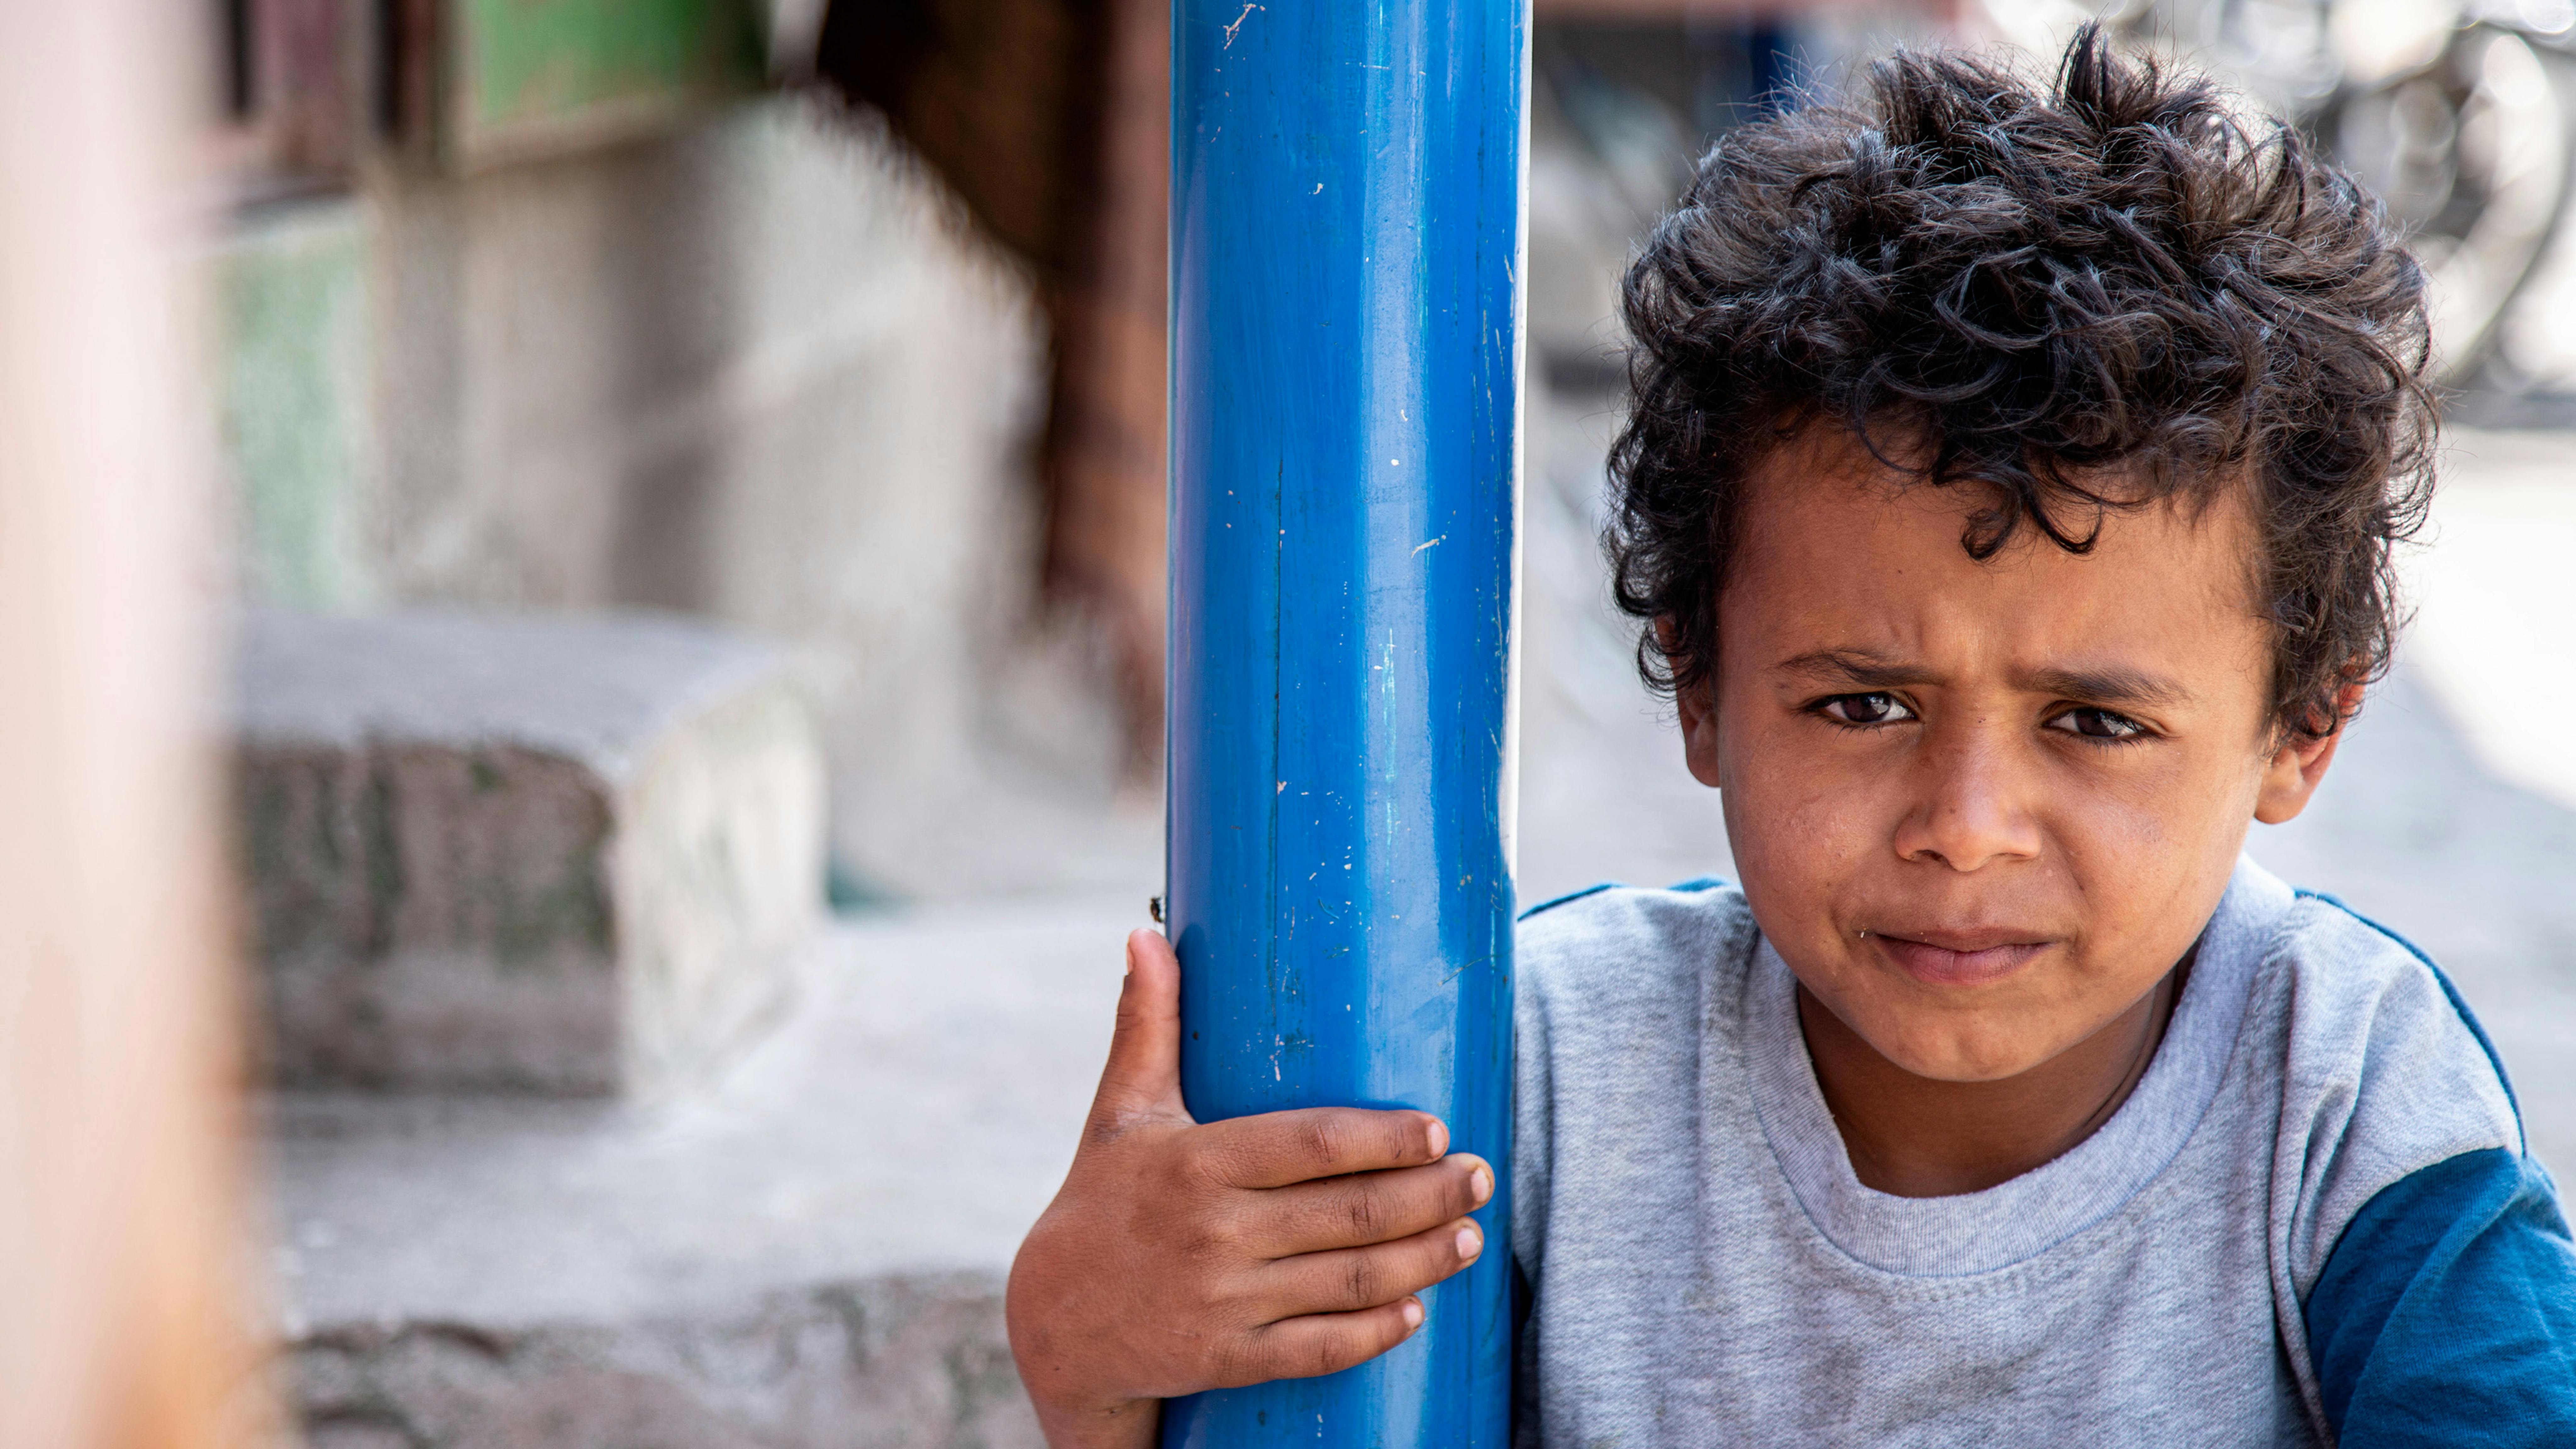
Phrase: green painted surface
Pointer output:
(297, 415)
(530, 72)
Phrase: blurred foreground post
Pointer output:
(1347, 222)
(118, 1325)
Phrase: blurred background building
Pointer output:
(694, 481)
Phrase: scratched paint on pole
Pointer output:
(1347, 223)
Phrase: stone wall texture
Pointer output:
(907, 1363)
(526, 853)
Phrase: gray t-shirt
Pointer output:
(1707, 1270)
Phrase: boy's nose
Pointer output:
(1972, 810)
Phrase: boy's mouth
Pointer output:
(1957, 960)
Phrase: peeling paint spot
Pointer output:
(1238, 24)
(1418, 548)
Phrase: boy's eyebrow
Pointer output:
(2103, 684)
(2107, 684)
(1857, 666)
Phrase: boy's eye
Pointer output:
(2098, 724)
(1866, 709)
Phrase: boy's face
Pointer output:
(1982, 808)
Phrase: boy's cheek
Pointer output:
(1803, 819)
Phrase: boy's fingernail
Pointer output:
(1470, 1243)
(1480, 1184)
(1412, 1313)
(1439, 1139)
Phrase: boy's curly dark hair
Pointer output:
(2034, 291)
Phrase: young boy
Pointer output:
(2008, 500)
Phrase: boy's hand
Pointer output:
(1179, 1257)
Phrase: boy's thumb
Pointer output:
(1143, 1077)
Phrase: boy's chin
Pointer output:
(1955, 1060)
(1967, 1046)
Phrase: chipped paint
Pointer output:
(1237, 24)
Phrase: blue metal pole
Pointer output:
(1346, 337)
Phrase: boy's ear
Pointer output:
(2298, 765)
(1698, 708)
(1699, 729)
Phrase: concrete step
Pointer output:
(515, 851)
(808, 1253)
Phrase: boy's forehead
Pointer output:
(1836, 550)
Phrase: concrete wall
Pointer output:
(758, 369)
(294, 303)
(696, 372)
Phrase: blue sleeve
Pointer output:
(2446, 1314)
